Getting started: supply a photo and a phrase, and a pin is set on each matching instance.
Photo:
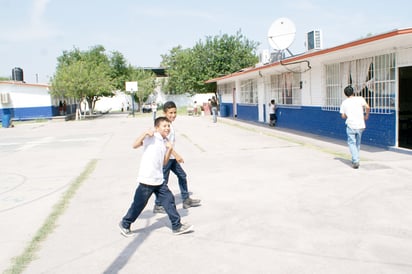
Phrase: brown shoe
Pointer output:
(189, 202)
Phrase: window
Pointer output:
(248, 92)
(383, 84)
(334, 92)
(285, 88)
(372, 78)
(225, 89)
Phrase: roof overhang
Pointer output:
(393, 39)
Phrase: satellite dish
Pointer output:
(281, 34)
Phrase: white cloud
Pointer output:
(35, 28)
(39, 8)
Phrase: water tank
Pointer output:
(17, 74)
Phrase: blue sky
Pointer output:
(34, 33)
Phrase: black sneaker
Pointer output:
(355, 165)
(184, 228)
(189, 202)
(125, 231)
(159, 209)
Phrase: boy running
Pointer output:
(170, 111)
(156, 152)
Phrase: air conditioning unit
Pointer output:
(277, 56)
(264, 57)
(314, 40)
(4, 98)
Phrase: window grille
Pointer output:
(285, 88)
(372, 78)
(225, 89)
(248, 92)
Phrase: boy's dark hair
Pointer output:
(348, 91)
(160, 119)
(168, 105)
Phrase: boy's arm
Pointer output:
(139, 141)
(178, 158)
(342, 112)
(367, 110)
(169, 151)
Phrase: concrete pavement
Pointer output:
(272, 201)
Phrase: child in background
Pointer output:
(272, 113)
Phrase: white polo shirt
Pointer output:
(151, 165)
(172, 138)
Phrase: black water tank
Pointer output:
(17, 74)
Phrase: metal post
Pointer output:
(132, 103)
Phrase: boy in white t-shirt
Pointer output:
(352, 109)
(170, 111)
(156, 153)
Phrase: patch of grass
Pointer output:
(20, 262)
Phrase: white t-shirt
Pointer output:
(272, 108)
(353, 108)
(151, 164)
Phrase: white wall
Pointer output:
(25, 95)
(114, 103)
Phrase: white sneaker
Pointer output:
(125, 231)
(184, 228)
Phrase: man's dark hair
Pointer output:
(348, 91)
(168, 105)
(160, 119)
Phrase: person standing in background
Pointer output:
(195, 108)
(154, 110)
(213, 105)
(272, 113)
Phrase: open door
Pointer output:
(405, 108)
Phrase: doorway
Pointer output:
(405, 108)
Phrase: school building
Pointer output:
(23, 101)
(26, 101)
(308, 89)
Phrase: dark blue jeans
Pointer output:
(176, 168)
(141, 197)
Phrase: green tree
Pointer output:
(179, 64)
(83, 75)
(120, 71)
(188, 69)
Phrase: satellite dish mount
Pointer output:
(281, 35)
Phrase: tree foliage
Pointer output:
(93, 74)
(83, 75)
(188, 69)
(120, 71)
